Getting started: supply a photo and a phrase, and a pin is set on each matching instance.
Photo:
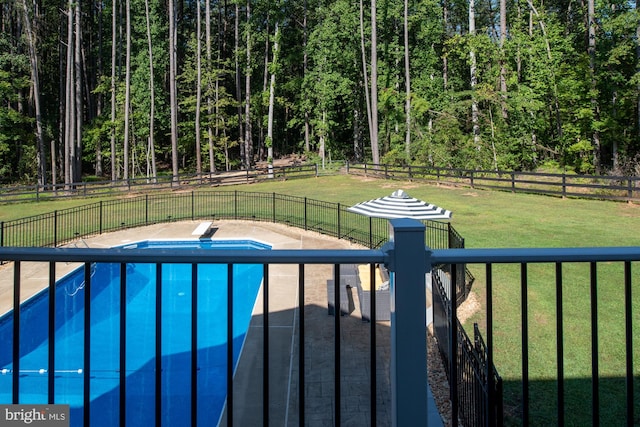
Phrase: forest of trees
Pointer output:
(133, 88)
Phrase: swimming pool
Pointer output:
(140, 338)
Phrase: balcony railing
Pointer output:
(408, 260)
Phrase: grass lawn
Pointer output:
(502, 219)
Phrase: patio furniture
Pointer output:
(348, 280)
(383, 295)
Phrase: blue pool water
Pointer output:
(140, 339)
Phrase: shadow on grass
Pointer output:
(578, 409)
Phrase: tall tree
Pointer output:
(365, 74)
(69, 128)
(35, 85)
(77, 65)
(173, 90)
(127, 92)
(407, 78)
(375, 150)
(503, 67)
(152, 110)
(114, 14)
(198, 89)
(473, 76)
(248, 142)
(591, 18)
(272, 90)
(208, 49)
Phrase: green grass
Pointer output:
(502, 219)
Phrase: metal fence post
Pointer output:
(235, 204)
(55, 229)
(1, 233)
(408, 263)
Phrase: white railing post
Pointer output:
(408, 264)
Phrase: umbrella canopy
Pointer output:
(400, 205)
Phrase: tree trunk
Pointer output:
(212, 165)
(236, 50)
(173, 95)
(445, 60)
(365, 74)
(503, 67)
(638, 71)
(198, 89)
(152, 93)
(407, 78)
(114, 168)
(375, 151)
(248, 148)
(35, 84)
(473, 78)
(127, 90)
(77, 64)
(305, 68)
(597, 155)
(69, 119)
(272, 90)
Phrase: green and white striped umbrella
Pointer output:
(400, 205)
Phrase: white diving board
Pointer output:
(202, 228)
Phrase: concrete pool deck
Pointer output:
(283, 333)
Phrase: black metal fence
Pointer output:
(145, 184)
(62, 226)
(478, 390)
(624, 188)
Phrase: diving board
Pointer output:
(202, 228)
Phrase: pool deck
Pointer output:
(283, 334)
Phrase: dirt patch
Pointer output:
(468, 308)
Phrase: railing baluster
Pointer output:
(372, 319)
(453, 347)
(595, 383)
(194, 344)
(301, 356)
(158, 361)
(525, 342)
(123, 344)
(16, 334)
(230, 345)
(51, 364)
(560, 344)
(337, 314)
(265, 344)
(490, 411)
(628, 315)
(87, 345)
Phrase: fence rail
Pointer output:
(622, 188)
(144, 184)
(62, 226)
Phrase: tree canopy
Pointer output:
(112, 88)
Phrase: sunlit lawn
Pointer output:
(503, 219)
